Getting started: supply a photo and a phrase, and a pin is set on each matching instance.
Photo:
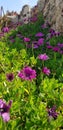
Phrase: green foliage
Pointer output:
(31, 98)
(55, 40)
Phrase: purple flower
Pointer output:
(26, 39)
(10, 77)
(52, 33)
(25, 19)
(40, 41)
(44, 26)
(60, 45)
(52, 30)
(39, 34)
(27, 73)
(46, 71)
(35, 44)
(4, 110)
(43, 57)
(34, 19)
(56, 49)
(49, 47)
(57, 33)
(61, 51)
(52, 112)
(5, 29)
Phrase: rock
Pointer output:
(53, 13)
(13, 18)
(41, 4)
(25, 14)
(34, 11)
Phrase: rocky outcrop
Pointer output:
(23, 17)
(41, 4)
(25, 14)
(53, 13)
(34, 11)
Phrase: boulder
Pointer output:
(41, 4)
(25, 14)
(53, 13)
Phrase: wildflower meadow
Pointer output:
(31, 77)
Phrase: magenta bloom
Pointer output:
(52, 30)
(34, 19)
(27, 73)
(60, 45)
(10, 76)
(4, 110)
(52, 112)
(46, 71)
(56, 49)
(25, 19)
(43, 57)
(39, 34)
(61, 52)
(49, 47)
(35, 44)
(26, 39)
(5, 29)
(40, 41)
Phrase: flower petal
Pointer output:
(6, 117)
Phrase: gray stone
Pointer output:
(25, 14)
(53, 13)
(13, 18)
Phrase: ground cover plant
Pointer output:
(31, 78)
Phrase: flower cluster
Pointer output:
(4, 110)
(43, 57)
(5, 29)
(27, 73)
(40, 41)
(39, 34)
(33, 19)
(26, 39)
(46, 71)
